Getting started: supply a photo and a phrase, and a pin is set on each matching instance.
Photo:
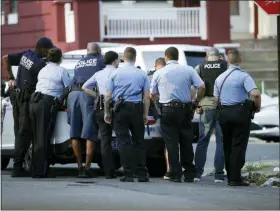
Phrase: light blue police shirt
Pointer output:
(128, 82)
(52, 79)
(173, 82)
(100, 79)
(236, 87)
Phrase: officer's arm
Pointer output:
(108, 97)
(154, 87)
(252, 89)
(66, 79)
(193, 92)
(89, 85)
(9, 61)
(146, 97)
(199, 84)
(216, 91)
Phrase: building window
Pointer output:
(234, 7)
(14, 6)
(2, 6)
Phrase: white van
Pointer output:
(191, 55)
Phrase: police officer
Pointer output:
(173, 85)
(159, 63)
(29, 64)
(209, 71)
(236, 110)
(100, 80)
(43, 109)
(128, 87)
(80, 108)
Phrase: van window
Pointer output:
(150, 57)
(195, 58)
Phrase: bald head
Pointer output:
(93, 48)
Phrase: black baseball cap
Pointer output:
(44, 42)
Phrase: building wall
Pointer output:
(47, 18)
(216, 33)
(243, 25)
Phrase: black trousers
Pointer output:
(106, 142)
(129, 119)
(176, 129)
(235, 124)
(43, 116)
(22, 128)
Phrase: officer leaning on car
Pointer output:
(80, 108)
(235, 113)
(128, 88)
(29, 64)
(209, 71)
(44, 105)
(173, 85)
(100, 80)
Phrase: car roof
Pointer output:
(163, 47)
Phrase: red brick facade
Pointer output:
(46, 18)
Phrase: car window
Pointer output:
(194, 58)
(150, 58)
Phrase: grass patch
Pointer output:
(255, 167)
(255, 175)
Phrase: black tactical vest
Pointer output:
(209, 71)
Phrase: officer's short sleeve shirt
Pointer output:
(14, 58)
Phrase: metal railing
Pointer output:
(153, 23)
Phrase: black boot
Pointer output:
(19, 172)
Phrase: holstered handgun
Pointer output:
(156, 109)
(99, 103)
(35, 97)
(118, 104)
(55, 105)
(250, 104)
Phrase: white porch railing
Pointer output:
(153, 23)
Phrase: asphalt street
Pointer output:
(68, 193)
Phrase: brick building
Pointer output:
(71, 24)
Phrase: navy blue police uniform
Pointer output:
(29, 64)
(80, 105)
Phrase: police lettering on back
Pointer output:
(27, 63)
(212, 66)
(87, 63)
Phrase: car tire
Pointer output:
(4, 162)
(28, 159)
(156, 167)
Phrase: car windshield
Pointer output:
(150, 58)
(195, 58)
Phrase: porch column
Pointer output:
(218, 22)
(86, 22)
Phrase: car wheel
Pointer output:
(4, 162)
(156, 167)
(28, 159)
